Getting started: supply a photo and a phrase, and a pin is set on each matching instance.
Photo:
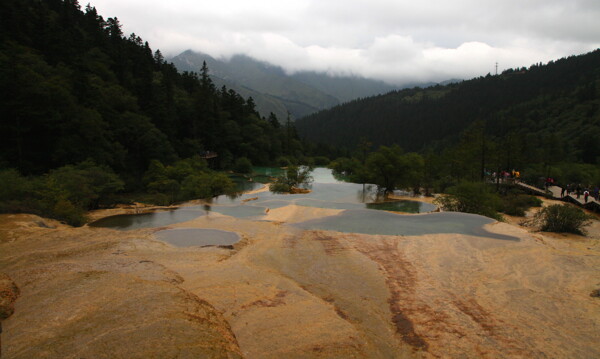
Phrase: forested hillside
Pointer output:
(554, 106)
(74, 87)
(90, 117)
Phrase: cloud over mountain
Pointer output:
(396, 41)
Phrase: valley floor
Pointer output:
(287, 293)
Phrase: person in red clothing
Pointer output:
(586, 194)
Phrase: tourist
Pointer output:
(586, 194)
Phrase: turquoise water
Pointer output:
(267, 171)
(364, 211)
(242, 184)
(193, 237)
(385, 223)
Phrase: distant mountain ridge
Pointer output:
(273, 90)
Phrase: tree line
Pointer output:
(75, 88)
(552, 112)
(466, 170)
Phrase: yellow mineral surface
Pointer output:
(283, 292)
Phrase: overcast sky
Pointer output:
(397, 41)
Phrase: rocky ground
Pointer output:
(287, 293)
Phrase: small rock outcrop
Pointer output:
(9, 292)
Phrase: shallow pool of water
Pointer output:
(406, 206)
(381, 222)
(330, 194)
(241, 211)
(242, 184)
(149, 220)
(197, 237)
(267, 171)
(358, 202)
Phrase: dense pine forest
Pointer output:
(541, 109)
(75, 88)
(78, 96)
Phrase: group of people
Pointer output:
(570, 189)
(504, 175)
(578, 190)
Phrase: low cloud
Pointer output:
(395, 41)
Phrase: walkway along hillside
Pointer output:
(554, 192)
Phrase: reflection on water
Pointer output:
(358, 201)
(148, 220)
(242, 184)
(403, 206)
(313, 202)
(189, 237)
(267, 171)
(379, 222)
(242, 211)
(327, 192)
(262, 179)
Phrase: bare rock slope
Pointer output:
(287, 293)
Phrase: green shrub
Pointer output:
(471, 197)
(307, 161)
(533, 201)
(186, 167)
(64, 194)
(17, 193)
(242, 165)
(294, 176)
(321, 161)
(221, 184)
(282, 161)
(65, 210)
(168, 187)
(206, 185)
(510, 208)
(12, 185)
(517, 204)
(186, 179)
(562, 218)
(279, 187)
(85, 183)
(344, 165)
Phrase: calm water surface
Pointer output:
(385, 223)
(194, 237)
(364, 211)
(149, 220)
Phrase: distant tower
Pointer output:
(496, 68)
